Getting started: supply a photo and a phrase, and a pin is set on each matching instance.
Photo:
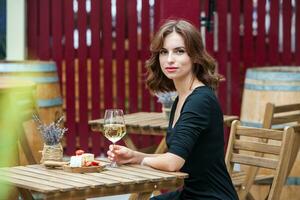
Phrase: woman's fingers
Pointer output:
(119, 153)
(110, 153)
(115, 147)
(119, 150)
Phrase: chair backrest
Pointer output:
(246, 148)
(278, 116)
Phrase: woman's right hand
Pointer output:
(120, 154)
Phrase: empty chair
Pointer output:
(278, 116)
(247, 147)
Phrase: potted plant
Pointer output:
(52, 135)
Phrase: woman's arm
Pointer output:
(166, 161)
(124, 155)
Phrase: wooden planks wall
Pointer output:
(100, 51)
(95, 55)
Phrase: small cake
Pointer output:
(81, 160)
(76, 161)
(88, 157)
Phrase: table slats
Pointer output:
(58, 184)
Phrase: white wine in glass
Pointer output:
(114, 127)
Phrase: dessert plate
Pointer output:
(89, 169)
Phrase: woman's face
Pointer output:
(174, 60)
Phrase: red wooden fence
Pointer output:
(100, 46)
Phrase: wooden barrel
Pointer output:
(49, 100)
(278, 85)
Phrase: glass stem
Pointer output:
(114, 163)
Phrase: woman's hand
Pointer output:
(121, 154)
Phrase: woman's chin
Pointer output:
(170, 76)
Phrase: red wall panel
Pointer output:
(110, 71)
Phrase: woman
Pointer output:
(195, 138)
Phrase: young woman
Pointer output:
(195, 138)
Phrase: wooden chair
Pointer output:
(276, 117)
(245, 147)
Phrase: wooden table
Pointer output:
(58, 184)
(147, 123)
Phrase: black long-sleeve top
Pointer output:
(198, 138)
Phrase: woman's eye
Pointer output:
(179, 51)
(163, 52)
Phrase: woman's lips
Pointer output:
(171, 69)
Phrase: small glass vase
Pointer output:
(52, 153)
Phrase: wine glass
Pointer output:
(114, 127)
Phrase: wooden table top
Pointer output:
(148, 121)
(58, 184)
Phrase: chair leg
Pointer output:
(156, 192)
(140, 196)
(133, 196)
(250, 196)
(25, 194)
(26, 148)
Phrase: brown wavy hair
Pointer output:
(203, 67)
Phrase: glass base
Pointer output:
(113, 165)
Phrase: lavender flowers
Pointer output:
(52, 133)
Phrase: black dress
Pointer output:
(198, 138)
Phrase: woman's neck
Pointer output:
(185, 87)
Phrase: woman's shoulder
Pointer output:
(203, 90)
(202, 94)
(202, 97)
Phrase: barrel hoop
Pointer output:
(251, 124)
(50, 102)
(259, 125)
(265, 82)
(13, 67)
(292, 180)
(272, 76)
(272, 87)
(50, 79)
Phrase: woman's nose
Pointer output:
(170, 57)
